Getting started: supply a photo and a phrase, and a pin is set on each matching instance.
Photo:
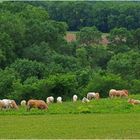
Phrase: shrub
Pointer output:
(7, 78)
(103, 83)
(27, 68)
(135, 89)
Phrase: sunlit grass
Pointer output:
(103, 118)
(72, 126)
(105, 105)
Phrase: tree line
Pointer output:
(104, 15)
(36, 61)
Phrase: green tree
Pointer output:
(126, 64)
(135, 86)
(136, 38)
(7, 78)
(42, 53)
(89, 36)
(27, 68)
(64, 63)
(103, 83)
(31, 12)
(48, 31)
(82, 57)
(7, 50)
(13, 26)
(97, 56)
(64, 85)
(119, 40)
(32, 88)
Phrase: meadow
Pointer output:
(72, 126)
(104, 118)
(103, 105)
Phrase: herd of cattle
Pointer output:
(40, 104)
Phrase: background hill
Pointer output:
(37, 61)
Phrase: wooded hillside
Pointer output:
(36, 61)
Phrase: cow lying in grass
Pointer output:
(93, 95)
(85, 100)
(8, 104)
(133, 101)
(40, 104)
(118, 93)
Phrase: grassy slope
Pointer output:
(70, 126)
(104, 118)
(105, 105)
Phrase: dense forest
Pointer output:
(36, 60)
(104, 15)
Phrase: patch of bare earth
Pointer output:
(70, 37)
(104, 40)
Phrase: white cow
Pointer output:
(59, 99)
(7, 104)
(92, 95)
(50, 99)
(23, 103)
(133, 101)
(75, 97)
(85, 100)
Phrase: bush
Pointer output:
(64, 85)
(103, 83)
(27, 68)
(32, 88)
(126, 64)
(7, 78)
(135, 89)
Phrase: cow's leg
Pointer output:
(28, 108)
(120, 96)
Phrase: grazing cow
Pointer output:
(92, 95)
(59, 99)
(1, 104)
(13, 105)
(133, 101)
(40, 104)
(50, 99)
(23, 103)
(85, 100)
(118, 93)
(126, 91)
(75, 97)
(7, 104)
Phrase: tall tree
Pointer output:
(119, 40)
(7, 50)
(89, 36)
(126, 64)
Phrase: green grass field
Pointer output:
(104, 105)
(103, 118)
(72, 126)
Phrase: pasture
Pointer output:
(103, 105)
(103, 118)
(72, 126)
